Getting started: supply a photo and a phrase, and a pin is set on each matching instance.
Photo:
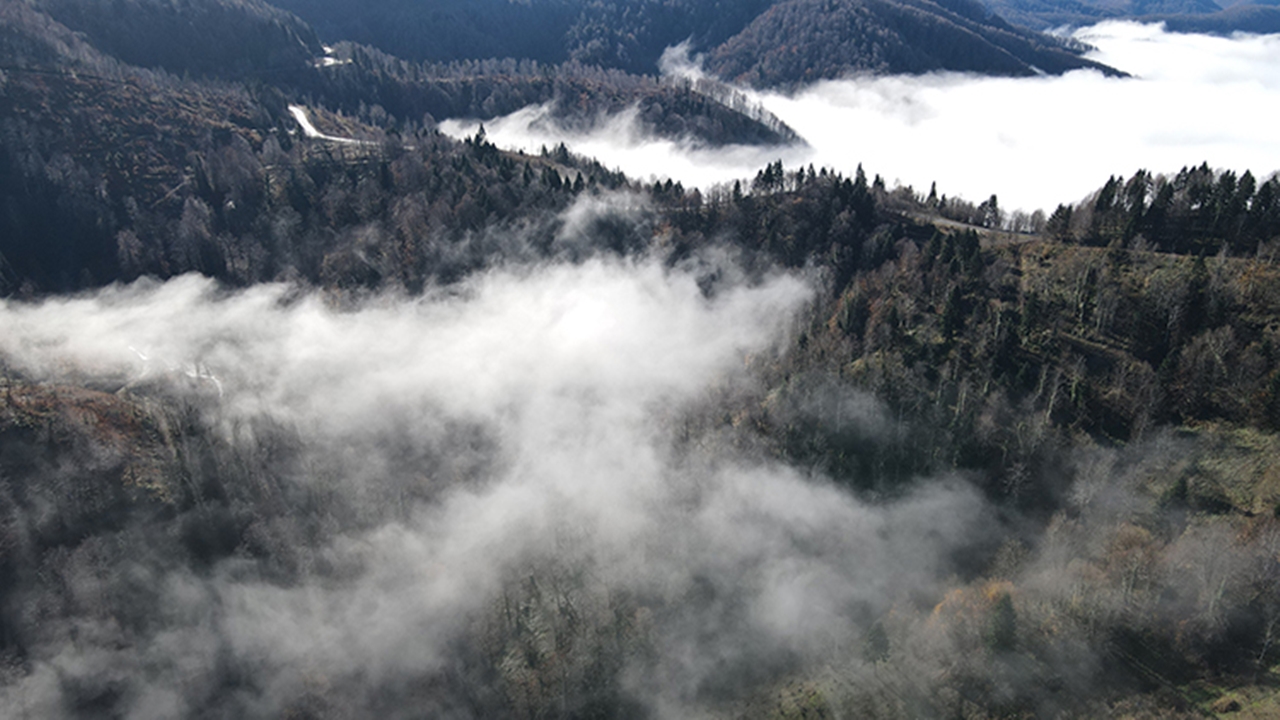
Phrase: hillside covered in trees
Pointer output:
(754, 41)
(388, 424)
(112, 170)
(1185, 16)
(807, 40)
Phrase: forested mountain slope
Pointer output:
(1041, 14)
(1263, 19)
(111, 171)
(258, 44)
(627, 34)
(807, 40)
(776, 43)
(1189, 16)
(1086, 392)
(358, 78)
(226, 38)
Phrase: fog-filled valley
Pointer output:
(345, 377)
(976, 135)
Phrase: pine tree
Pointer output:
(875, 644)
(1002, 626)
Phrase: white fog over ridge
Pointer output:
(1034, 142)
(572, 380)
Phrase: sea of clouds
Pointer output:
(1034, 142)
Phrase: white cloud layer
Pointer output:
(532, 413)
(1035, 142)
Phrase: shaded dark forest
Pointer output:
(762, 42)
(1183, 16)
(216, 163)
(804, 40)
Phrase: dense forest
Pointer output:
(837, 37)
(257, 45)
(807, 40)
(625, 35)
(391, 424)
(1184, 16)
(206, 175)
(1262, 19)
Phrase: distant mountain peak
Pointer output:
(798, 41)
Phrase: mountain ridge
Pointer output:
(889, 36)
(793, 43)
(1184, 16)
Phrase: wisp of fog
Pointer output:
(1033, 142)
(518, 433)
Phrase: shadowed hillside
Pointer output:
(764, 43)
(808, 40)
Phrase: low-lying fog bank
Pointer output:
(1034, 142)
(413, 462)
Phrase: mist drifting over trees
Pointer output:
(423, 408)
